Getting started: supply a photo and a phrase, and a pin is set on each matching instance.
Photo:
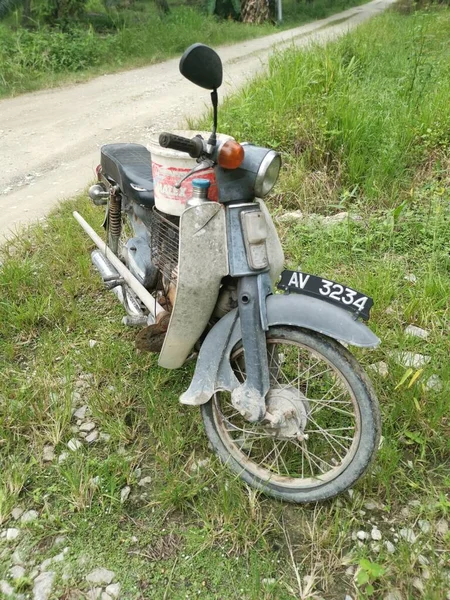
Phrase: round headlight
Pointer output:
(267, 174)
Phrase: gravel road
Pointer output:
(50, 140)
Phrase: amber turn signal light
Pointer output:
(231, 155)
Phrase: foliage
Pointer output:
(354, 118)
(122, 35)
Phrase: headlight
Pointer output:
(267, 174)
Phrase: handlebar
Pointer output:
(193, 147)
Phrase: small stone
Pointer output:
(347, 597)
(29, 516)
(268, 581)
(12, 534)
(375, 547)
(5, 588)
(92, 343)
(62, 457)
(17, 512)
(17, 572)
(105, 596)
(105, 437)
(95, 481)
(295, 215)
(92, 437)
(48, 453)
(80, 413)
(59, 540)
(394, 595)
(411, 359)
(43, 585)
(113, 590)
(410, 277)
(54, 559)
(418, 584)
(434, 383)
(425, 526)
(361, 535)
(389, 547)
(125, 493)
(197, 465)
(87, 426)
(74, 445)
(380, 368)
(408, 535)
(100, 576)
(423, 560)
(94, 593)
(417, 332)
(375, 534)
(426, 573)
(335, 219)
(145, 481)
(17, 558)
(442, 527)
(372, 505)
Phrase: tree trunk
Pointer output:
(254, 11)
(26, 14)
(163, 7)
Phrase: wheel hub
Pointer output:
(287, 412)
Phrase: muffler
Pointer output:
(112, 267)
(136, 316)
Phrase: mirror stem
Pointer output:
(214, 99)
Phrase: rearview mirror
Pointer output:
(202, 65)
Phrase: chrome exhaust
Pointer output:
(114, 265)
(104, 267)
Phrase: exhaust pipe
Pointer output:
(113, 266)
(114, 282)
(104, 267)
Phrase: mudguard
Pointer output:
(213, 371)
(202, 264)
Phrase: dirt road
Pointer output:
(50, 140)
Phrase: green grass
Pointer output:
(200, 532)
(139, 36)
(353, 119)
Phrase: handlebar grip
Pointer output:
(193, 147)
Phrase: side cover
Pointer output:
(213, 371)
(202, 263)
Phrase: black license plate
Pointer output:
(325, 289)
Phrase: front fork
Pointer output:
(249, 397)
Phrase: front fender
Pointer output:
(213, 371)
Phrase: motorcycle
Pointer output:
(284, 403)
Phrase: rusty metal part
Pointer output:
(151, 338)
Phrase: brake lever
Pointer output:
(203, 166)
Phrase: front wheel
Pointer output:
(327, 425)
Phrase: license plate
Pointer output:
(325, 289)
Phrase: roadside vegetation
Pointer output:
(109, 36)
(363, 130)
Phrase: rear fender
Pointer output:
(213, 371)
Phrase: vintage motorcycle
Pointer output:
(284, 403)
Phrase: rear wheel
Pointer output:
(325, 424)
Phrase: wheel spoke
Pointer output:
(330, 418)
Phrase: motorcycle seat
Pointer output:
(130, 167)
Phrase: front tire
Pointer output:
(331, 427)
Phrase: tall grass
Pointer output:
(353, 119)
(138, 36)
